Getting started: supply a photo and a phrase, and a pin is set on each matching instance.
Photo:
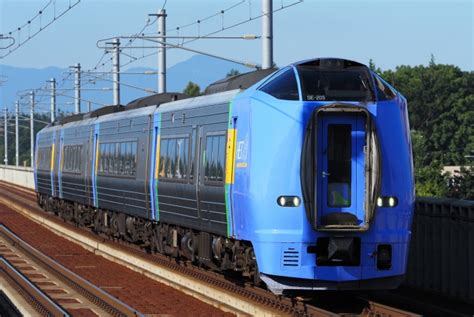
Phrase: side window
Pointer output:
(384, 92)
(214, 158)
(171, 167)
(102, 159)
(44, 158)
(79, 158)
(134, 158)
(284, 86)
(111, 155)
(72, 159)
(193, 153)
(163, 158)
(181, 158)
(118, 158)
(174, 158)
(106, 157)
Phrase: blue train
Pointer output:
(300, 177)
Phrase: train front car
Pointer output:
(324, 184)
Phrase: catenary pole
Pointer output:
(52, 83)
(17, 134)
(5, 132)
(162, 52)
(77, 88)
(267, 34)
(116, 71)
(32, 127)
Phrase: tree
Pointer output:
(192, 89)
(371, 64)
(440, 105)
(232, 72)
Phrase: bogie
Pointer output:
(177, 242)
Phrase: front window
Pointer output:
(335, 83)
(284, 86)
(384, 92)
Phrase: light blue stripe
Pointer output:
(94, 180)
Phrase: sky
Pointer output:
(389, 32)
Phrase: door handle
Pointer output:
(325, 174)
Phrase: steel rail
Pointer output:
(82, 286)
(38, 300)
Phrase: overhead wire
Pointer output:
(19, 42)
(150, 22)
(224, 28)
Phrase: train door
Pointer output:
(211, 190)
(341, 171)
(198, 163)
(54, 151)
(154, 166)
(87, 167)
(60, 163)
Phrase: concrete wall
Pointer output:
(22, 176)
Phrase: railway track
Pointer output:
(203, 284)
(49, 287)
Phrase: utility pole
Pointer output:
(17, 134)
(32, 128)
(162, 52)
(116, 71)
(5, 132)
(52, 83)
(89, 106)
(267, 34)
(77, 88)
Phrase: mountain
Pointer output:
(199, 69)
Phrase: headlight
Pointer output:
(387, 201)
(289, 201)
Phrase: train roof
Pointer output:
(231, 84)
(329, 62)
(155, 100)
(240, 81)
(117, 112)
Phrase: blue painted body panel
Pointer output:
(270, 134)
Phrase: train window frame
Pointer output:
(277, 78)
(72, 158)
(175, 137)
(112, 162)
(43, 160)
(204, 159)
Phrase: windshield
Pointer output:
(346, 84)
